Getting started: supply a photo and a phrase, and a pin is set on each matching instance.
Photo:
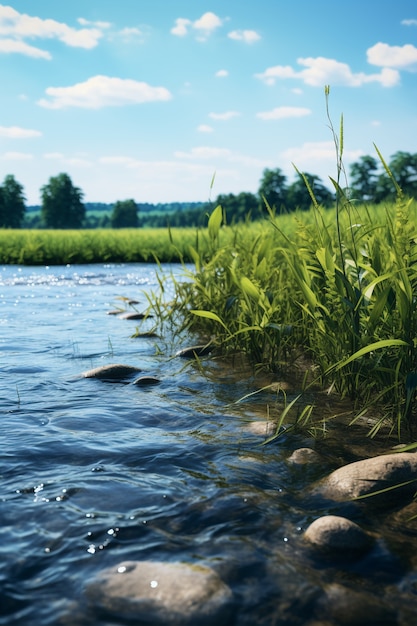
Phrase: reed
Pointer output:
(338, 287)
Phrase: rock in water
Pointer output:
(193, 351)
(394, 474)
(144, 381)
(167, 594)
(115, 371)
(335, 535)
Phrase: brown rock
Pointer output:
(335, 534)
(396, 472)
(114, 371)
(161, 593)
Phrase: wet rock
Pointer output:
(344, 607)
(144, 381)
(115, 371)
(133, 315)
(161, 593)
(262, 427)
(404, 520)
(303, 456)
(193, 351)
(335, 535)
(372, 475)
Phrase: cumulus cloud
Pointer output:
(17, 27)
(20, 26)
(247, 36)
(280, 113)
(402, 57)
(222, 74)
(101, 91)
(203, 27)
(181, 27)
(15, 132)
(14, 46)
(321, 71)
(204, 128)
(227, 115)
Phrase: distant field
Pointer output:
(60, 247)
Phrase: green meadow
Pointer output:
(61, 247)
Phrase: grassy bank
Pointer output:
(333, 290)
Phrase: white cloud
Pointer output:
(227, 115)
(383, 55)
(280, 113)
(247, 36)
(216, 155)
(321, 71)
(129, 33)
(222, 74)
(318, 157)
(15, 132)
(204, 26)
(20, 26)
(204, 152)
(101, 91)
(181, 27)
(17, 156)
(53, 156)
(204, 128)
(409, 22)
(101, 25)
(14, 46)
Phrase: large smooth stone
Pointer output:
(162, 593)
(115, 371)
(335, 535)
(372, 475)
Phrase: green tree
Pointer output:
(62, 205)
(273, 188)
(12, 203)
(238, 208)
(364, 179)
(125, 214)
(298, 196)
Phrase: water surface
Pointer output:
(94, 473)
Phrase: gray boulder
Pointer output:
(336, 535)
(395, 472)
(304, 456)
(161, 593)
(114, 371)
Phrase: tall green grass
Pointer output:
(335, 288)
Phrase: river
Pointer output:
(94, 473)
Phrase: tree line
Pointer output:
(62, 203)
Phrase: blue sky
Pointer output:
(148, 99)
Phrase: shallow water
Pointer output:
(94, 473)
